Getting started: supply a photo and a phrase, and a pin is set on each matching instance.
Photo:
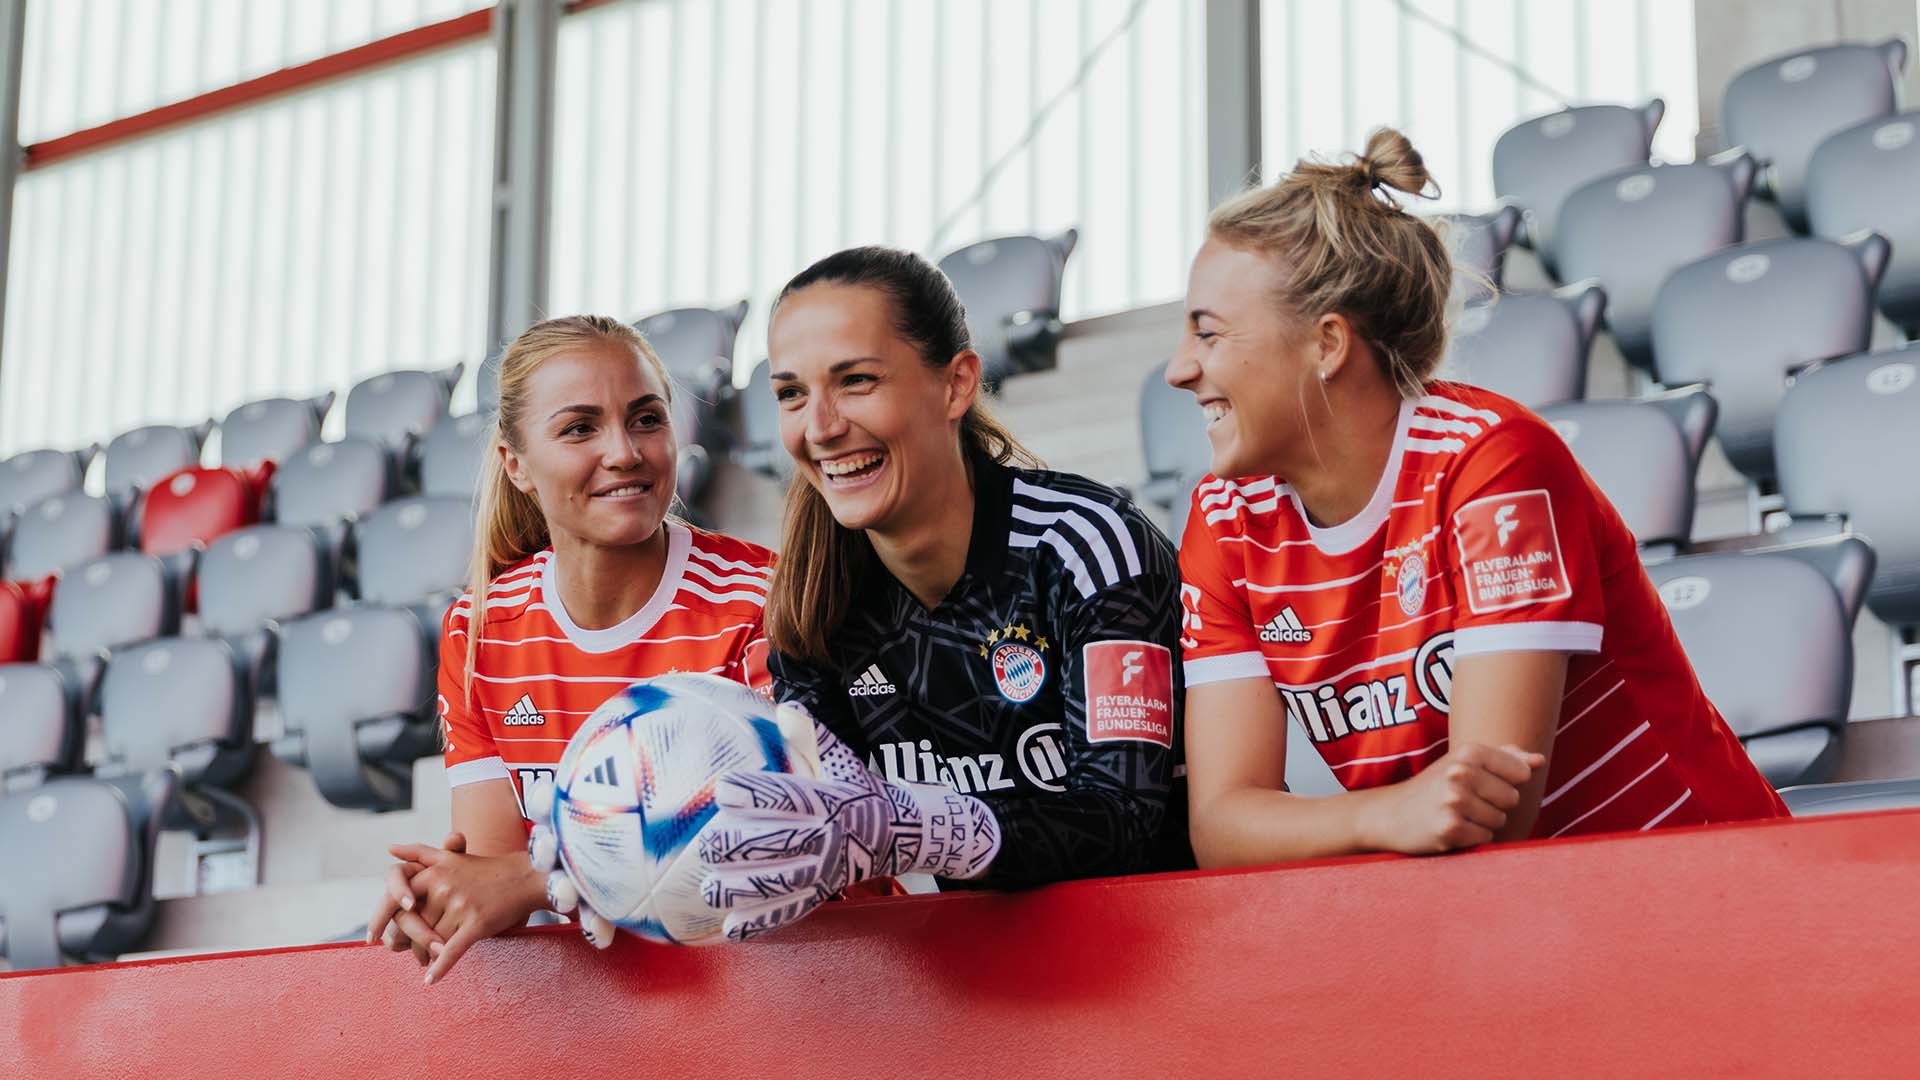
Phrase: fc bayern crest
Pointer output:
(1019, 671)
(1412, 579)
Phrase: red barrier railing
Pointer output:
(1784, 948)
(387, 50)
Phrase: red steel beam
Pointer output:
(386, 50)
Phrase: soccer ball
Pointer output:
(635, 785)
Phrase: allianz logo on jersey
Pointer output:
(1040, 755)
(871, 683)
(1330, 711)
(523, 714)
(1285, 629)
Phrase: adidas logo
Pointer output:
(870, 684)
(1285, 629)
(604, 773)
(523, 714)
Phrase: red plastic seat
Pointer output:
(196, 505)
(23, 612)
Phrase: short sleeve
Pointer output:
(1218, 640)
(1521, 521)
(472, 755)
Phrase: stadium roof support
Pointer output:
(13, 32)
(526, 41)
(1233, 97)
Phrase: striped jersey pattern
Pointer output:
(1482, 536)
(539, 676)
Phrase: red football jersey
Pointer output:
(539, 676)
(1483, 535)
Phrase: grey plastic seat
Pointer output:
(1643, 454)
(395, 408)
(357, 698)
(1854, 797)
(1742, 319)
(1011, 288)
(696, 345)
(1846, 440)
(1773, 648)
(1631, 229)
(39, 725)
(63, 530)
(450, 456)
(329, 484)
(759, 447)
(1537, 163)
(1531, 347)
(76, 859)
(179, 700)
(1864, 177)
(28, 477)
(1479, 243)
(139, 458)
(1781, 108)
(414, 549)
(252, 579)
(1173, 439)
(107, 603)
(274, 430)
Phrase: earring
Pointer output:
(1325, 375)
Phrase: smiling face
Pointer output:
(597, 448)
(1254, 368)
(868, 422)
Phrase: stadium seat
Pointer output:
(1173, 439)
(1845, 441)
(450, 456)
(185, 512)
(1856, 797)
(1531, 347)
(253, 579)
(271, 430)
(107, 603)
(185, 703)
(27, 478)
(398, 408)
(1537, 163)
(62, 530)
(329, 484)
(1781, 108)
(413, 550)
(77, 859)
(696, 345)
(356, 690)
(41, 733)
(1011, 289)
(23, 612)
(1772, 646)
(758, 446)
(1630, 229)
(1644, 455)
(1864, 178)
(139, 458)
(1742, 320)
(1479, 243)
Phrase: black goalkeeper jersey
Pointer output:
(1047, 682)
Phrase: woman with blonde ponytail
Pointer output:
(993, 640)
(1415, 573)
(581, 583)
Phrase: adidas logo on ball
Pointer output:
(1285, 629)
(871, 684)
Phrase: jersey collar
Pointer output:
(1358, 529)
(635, 626)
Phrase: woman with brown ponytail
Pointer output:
(994, 641)
(581, 583)
(1417, 572)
